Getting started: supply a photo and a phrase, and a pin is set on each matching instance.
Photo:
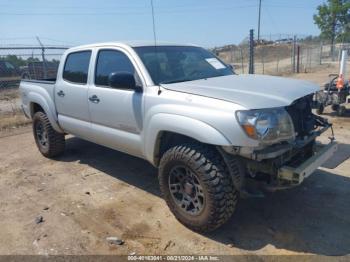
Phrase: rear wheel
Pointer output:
(49, 142)
(197, 187)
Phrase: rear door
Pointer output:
(71, 94)
(116, 114)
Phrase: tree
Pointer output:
(333, 19)
(15, 60)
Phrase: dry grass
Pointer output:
(11, 116)
(13, 120)
(9, 94)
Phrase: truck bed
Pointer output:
(42, 81)
(38, 91)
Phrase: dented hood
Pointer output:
(250, 91)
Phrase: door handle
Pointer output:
(61, 93)
(94, 99)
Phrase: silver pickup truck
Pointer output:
(214, 135)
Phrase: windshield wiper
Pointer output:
(176, 81)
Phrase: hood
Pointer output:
(250, 91)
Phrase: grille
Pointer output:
(301, 113)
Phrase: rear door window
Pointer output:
(76, 67)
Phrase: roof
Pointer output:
(152, 43)
(131, 44)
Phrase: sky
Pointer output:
(207, 23)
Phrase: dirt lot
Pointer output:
(11, 115)
(93, 192)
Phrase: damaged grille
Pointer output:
(301, 113)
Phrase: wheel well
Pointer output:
(36, 108)
(167, 140)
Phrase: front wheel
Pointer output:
(197, 187)
(50, 143)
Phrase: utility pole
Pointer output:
(251, 51)
(298, 59)
(259, 20)
(294, 53)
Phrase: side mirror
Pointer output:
(123, 80)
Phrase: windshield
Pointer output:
(171, 64)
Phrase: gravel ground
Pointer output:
(72, 204)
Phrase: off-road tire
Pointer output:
(220, 194)
(55, 141)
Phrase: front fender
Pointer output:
(187, 126)
(48, 105)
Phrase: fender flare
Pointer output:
(48, 106)
(182, 125)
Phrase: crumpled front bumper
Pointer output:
(296, 175)
(280, 166)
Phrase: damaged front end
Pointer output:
(288, 162)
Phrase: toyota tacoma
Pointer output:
(214, 135)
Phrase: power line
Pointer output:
(138, 12)
(72, 7)
(291, 6)
(34, 38)
(127, 8)
(141, 9)
(32, 47)
(271, 19)
(58, 41)
(15, 38)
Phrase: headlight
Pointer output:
(267, 125)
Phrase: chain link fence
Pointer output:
(23, 62)
(273, 55)
(281, 54)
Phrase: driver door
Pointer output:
(116, 114)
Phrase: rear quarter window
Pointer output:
(76, 67)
